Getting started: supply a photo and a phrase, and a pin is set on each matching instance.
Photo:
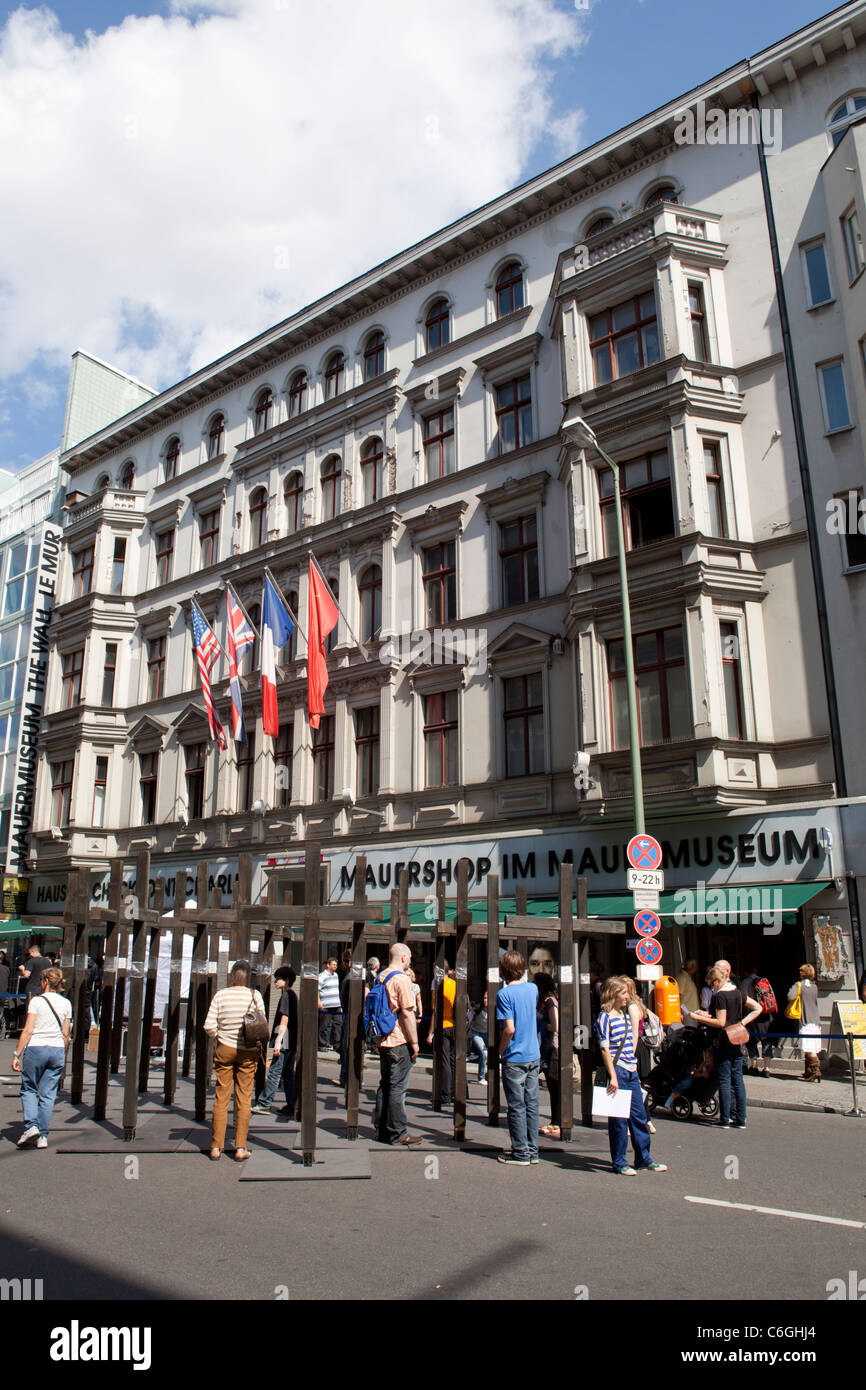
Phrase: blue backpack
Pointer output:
(379, 1017)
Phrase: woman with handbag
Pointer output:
(727, 1012)
(548, 1031)
(41, 1056)
(236, 1019)
(803, 1006)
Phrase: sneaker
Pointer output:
(626, 1172)
(509, 1153)
(738, 1124)
(650, 1126)
(725, 1124)
(655, 1167)
(506, 1157)
(260, 1110)
(42, 1142)
(28, 1136)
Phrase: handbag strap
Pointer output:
(54, 1011)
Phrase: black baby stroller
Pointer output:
(684, 1052)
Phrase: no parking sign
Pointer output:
(649, 951)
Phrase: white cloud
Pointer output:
(180, 183)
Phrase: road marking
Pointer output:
(777, 1211)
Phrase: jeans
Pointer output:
(730, 1071)
(553, 1090)
(636, 1125)
(478, 1045)
(395, 1068)
(41, 1070)
(330, 1026)
(520, 1083)
(282, 1068)
(766, 1046)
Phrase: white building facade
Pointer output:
(407, 430)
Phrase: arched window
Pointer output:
(334, 585)
(372, 455)
(843, 115)
(335, 375)
(216, 437)
(509, 289)
(127, 475)
(601, 224)
(374, 356)
(172, 458)
(102, 482)
(331, 474)
(258, 517)
(666, 193)
(293, 492)
(298, 394)
(264, 410)
(370, 590)
(437, 325)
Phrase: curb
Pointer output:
(796, 1105)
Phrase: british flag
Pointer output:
(207, 649)
(240, 636)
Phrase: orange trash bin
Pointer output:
(667, 1000)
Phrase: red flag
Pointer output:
(323, 616)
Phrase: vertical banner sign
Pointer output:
(36, 675)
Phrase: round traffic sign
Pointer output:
(644, 852)
(647, 923)
(649, 951)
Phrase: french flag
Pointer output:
(277, 628)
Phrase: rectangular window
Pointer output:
(698, 316)
(61, 791)
(194, 754)
(99, 790)
(647, 502)
(367, 749)
(854, 512)
(816, 274)
(514, 414)
(323, 759)
(853, 243)
(82, 571)
(164, 556)
(283, 766)
(661, 684)
(733, 680)
(518, 556)
(147, 782)
(439, 457)
(109, 672)
(524, 725)
(209, 535)
(715, 488)
(246, 772)
(625, 338)
(73, 665)
(155, 668)
(440, 583)
(118, 564)
(834, 398)
(440, 739)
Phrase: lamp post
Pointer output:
(577, 431)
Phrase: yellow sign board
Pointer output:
(851, 1014)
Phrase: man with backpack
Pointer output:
(389, 1021)
(759, 987)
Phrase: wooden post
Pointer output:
(462, 922)
(492, 991)
(150, 988)
(355, 1002)
(565, 972)
(109, 986)
(521, 943)
(438, 997)
(309, 1002)
(137, 907)
(241, 934)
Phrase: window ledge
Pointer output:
(857, 276)
(822, 304)
(854, 569)
(840, 429)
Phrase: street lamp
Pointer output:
(577, 431)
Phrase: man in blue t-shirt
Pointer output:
(516, 1006)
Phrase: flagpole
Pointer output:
(230, 588)
(207, 624)
(285, 603)
(335, 601)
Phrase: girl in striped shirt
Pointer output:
(617, 1029)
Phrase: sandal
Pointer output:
(552, 1131)
(215, 1153)
(241, 1155)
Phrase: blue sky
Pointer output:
(150, 195)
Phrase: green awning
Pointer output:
(15, 927)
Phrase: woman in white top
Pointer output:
(235, 1062)
(40, 1057)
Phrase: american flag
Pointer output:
(207, 649)
(240, 636)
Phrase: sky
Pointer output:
(177, 177)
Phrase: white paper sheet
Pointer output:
(617, 1106)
